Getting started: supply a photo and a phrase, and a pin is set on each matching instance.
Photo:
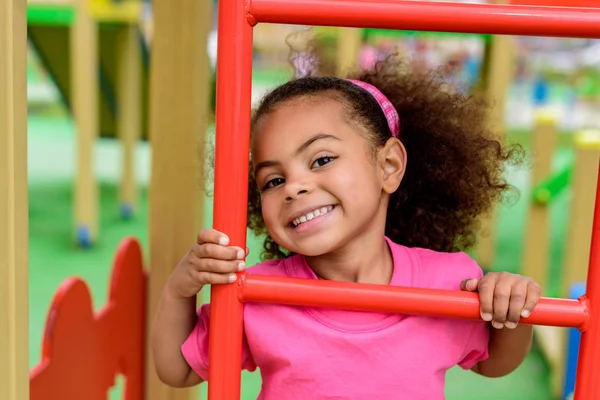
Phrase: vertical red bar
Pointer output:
(234, 85)
(587, 381)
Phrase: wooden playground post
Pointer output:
(130, 111)
(536, 255)
(84, 89)
(348, 48)
(497, 76)
(585, 173)
(179, 115)
(14, 337)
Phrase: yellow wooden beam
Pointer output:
(129, 127)
(128, 12)
(498, 76)
(179, 114)
(84, 90)
(536, 255)
(585, 175)
(14, 336)
(349, 41)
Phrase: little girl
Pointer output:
(377, 179)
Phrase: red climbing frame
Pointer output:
(236, 19)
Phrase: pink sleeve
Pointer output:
(476, 347)
(195, 348)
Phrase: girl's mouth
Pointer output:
(311, 215)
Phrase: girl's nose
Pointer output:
(291, 196)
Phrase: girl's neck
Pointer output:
(365, 259)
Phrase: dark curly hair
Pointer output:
(455, 167)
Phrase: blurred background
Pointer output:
(89, 173)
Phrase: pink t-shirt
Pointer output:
(313, 353)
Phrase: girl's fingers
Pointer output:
(486, 297)
(502, 293)
(534, 292)
(518, 295)
(218, 266)
(211, 250)
(211, 278)
(469, 285)
(212, 236)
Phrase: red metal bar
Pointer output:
(393, 299)
(234, 70)
(501, 19)
(587, 380)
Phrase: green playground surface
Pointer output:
(53, 255)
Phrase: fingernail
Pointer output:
(497, 325)
(525, 313)
(241, 266)
(510, 325)
(486, 317)
(223, 240)
(241, 254)
(232, 278)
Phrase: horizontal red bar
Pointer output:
(502, 19)
(394, 299)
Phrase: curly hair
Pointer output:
(456, 163)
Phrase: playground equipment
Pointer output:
(13, 223)
(93, 51)
(83, 351)
(580, 177)
(181, 72)
(236, 19)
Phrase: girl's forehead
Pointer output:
(290, 122)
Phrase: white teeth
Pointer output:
(315, 213)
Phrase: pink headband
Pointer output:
(386, 105)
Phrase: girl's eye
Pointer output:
(322, 161)
(273, 182)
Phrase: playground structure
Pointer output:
(180, 72)
(15, 256)
(578, 176)
(236, 20)
(94, 53)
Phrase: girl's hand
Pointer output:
(504, 298)
(209, 261)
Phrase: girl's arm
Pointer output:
(174, 321)
(507, 350)
(505, 299)
(209, 261)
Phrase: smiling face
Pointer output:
(322, 185)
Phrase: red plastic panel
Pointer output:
(82, 351)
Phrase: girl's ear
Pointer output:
(392, 161)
